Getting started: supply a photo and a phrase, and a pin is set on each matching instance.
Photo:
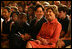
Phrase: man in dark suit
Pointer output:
(63, 20)
(36, 24)
(5, 27)
(19, 30)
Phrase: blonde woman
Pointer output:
(49, 33)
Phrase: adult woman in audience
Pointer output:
(49, 33)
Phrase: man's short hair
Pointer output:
(63, 8)
(38, 7)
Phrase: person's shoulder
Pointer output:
(66, 19)
(44, 18)
(58, 23)
(45, 23)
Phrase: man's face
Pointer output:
(61, 14)
(39, 13)
(5, 13)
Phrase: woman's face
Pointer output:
(49, 14)
(39, 13)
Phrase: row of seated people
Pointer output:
(46, 30)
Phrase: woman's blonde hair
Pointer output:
(54, 8)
